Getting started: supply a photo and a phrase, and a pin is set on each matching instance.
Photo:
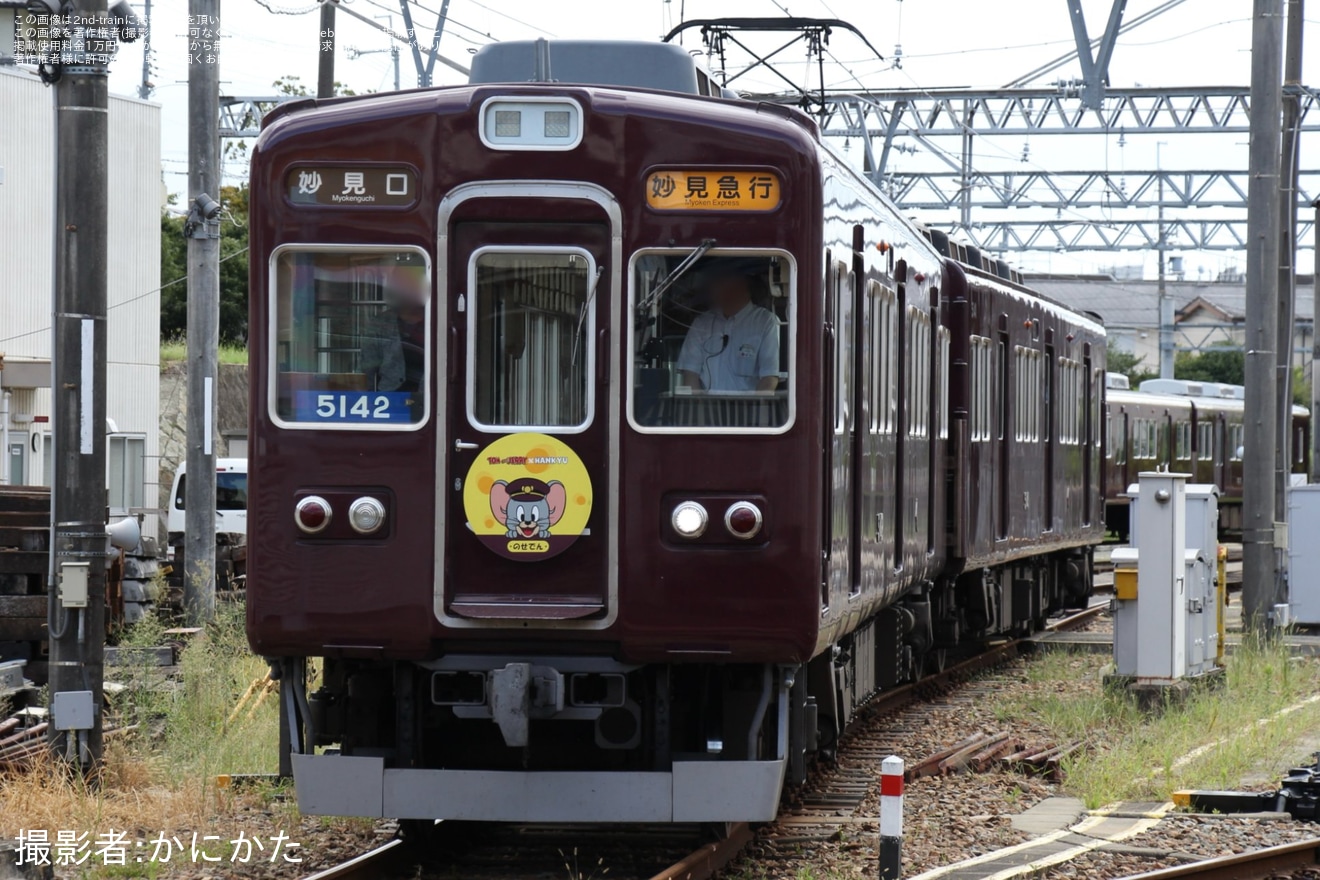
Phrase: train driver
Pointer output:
(394, 342)
(733, 345)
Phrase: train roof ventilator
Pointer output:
(1169, 591)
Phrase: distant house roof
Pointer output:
(1135, 304)
(1201, 304)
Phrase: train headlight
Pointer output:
(689, 519)
(366, 516)
(743, 519)
(312, 514)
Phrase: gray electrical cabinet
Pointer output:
(1304, 554)
(1167, 610)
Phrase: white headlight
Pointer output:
(689, 519)
(366, 515)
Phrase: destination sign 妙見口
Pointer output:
(347, 186)
(712, 189)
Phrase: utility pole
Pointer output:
(1258, 557)
(78, 497)
(1292, 80)
(1165, 304)
(146, 87)
(325, 69)
(202, 230)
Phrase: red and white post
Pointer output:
(891, 818)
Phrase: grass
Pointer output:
(160, 775)
(176, 350)
(1216, 739)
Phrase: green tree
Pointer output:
(1129, 364)
(1219, 363)
(233, 270)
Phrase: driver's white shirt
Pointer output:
(750, 353)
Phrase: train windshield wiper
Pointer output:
(669, 280)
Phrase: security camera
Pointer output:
(126, 22)
(207, 206)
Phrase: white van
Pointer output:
(230, 498)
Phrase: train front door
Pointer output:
(528, 428)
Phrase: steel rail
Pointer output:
(703, 863)
(1256, 863)
(371, 865)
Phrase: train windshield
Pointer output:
(711, 351)
(351, 337)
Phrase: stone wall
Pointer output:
(231, 419)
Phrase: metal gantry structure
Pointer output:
(944, 123)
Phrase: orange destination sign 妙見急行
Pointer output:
(712, 189)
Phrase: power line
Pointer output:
(140, 296)
(525, 24)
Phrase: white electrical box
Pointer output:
(1167, 609)
(73, 584)
(1304, 554)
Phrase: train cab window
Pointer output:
(710, 343)
(530, 349)
(351, 338)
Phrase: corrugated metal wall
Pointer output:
(26, 220)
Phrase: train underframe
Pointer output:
(545, 737)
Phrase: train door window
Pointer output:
(843, 318)
(979, 404)
(711, 343)
(918, 373)
(944, 383)
(891, 361)
(1235, 441)
(1204, 445)
(1299, 444)
(1001, 374)
(883, 374)
(351, 339)
(530, 349)
(1184, 440)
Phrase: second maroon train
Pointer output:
(1188, 427)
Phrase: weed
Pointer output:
(1212, 740)
(176, 349)
(575, 872)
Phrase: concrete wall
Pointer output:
(231, 420)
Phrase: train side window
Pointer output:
(711, 344)
(350, 345)
(1184, 441)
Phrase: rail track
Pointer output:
(680, 852)
(1275, 862)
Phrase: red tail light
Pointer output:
(312, 514)
(743, 519)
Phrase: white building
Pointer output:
(27, 174)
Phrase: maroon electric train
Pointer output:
(613, 441)
(1183, 426)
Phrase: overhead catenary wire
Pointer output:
(140, 296)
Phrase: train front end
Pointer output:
(531, 389)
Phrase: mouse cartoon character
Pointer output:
(527, 507)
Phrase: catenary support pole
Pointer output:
(891, 818)
(203, 232)
(78, 494)
(1288, 167)
(1258, 558)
